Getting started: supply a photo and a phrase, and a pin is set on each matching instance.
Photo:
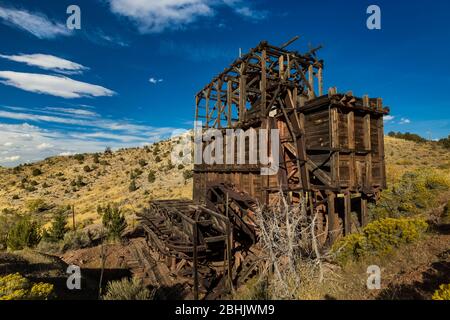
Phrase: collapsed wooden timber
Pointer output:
(331, 150)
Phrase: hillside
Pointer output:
(89, 180)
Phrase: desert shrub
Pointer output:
(445, 142)
(74, 240)
(414, 192)
(78, 182)
(135, 173)
(37, 205)
(79, 157)
(152, 176)
(95, 158)
(379, 238)
(126, 289)
(87, 168)
(58, 228)
(113, 220)
(443, 293)
(16, 287)
(142, 162)
(108, 150)
(7, 220)
(188, 174)
(180, 167)
(132, 187)
(23, 233)
(15, 197)
(36, 172)
(157, 159)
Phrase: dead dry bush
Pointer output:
(293, 265)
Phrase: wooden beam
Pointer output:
(347, 213)
(364, 211)
(351, 146)
(332, 217)
(311, 93)
(263, 84)
(320, 81)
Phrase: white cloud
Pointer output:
(388, 118)
(47, 62)
(44, 145)
(9, 159)
(252, 14)
(35, 23)
(157, 16)
(53, 85)
(404, 121)
(8, 144)
(72, 111)
(32, 143)
(154, 80)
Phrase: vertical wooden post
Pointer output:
(351, 147)
(347, 213)
(229, 102)
(311, 82)
(242, 96)
(364, 213)
(332, 218)
(320, 81)
(368, 147)
(334, 144)
(263, 84)
(381, 155)
(195, 262)
(219, 103)
(207, 107)
(281, 67)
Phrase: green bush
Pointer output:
(58, 228)
(126, 289)
(142, 162)
(379, 238)
(24, 233)
(113, 220)
(152, 176)
(36, 172)
(74, 240)
(414, 192)
(79, 157)
(37, 205)
(132, 187)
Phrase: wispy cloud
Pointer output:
(388, 118)
(404, 121)
(53, 85)
(47, 62)
(37, 24)
(155, 80)
(157, 16)
(72, 111)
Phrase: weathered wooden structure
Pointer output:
(330, 150)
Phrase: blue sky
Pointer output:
(129, 76)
